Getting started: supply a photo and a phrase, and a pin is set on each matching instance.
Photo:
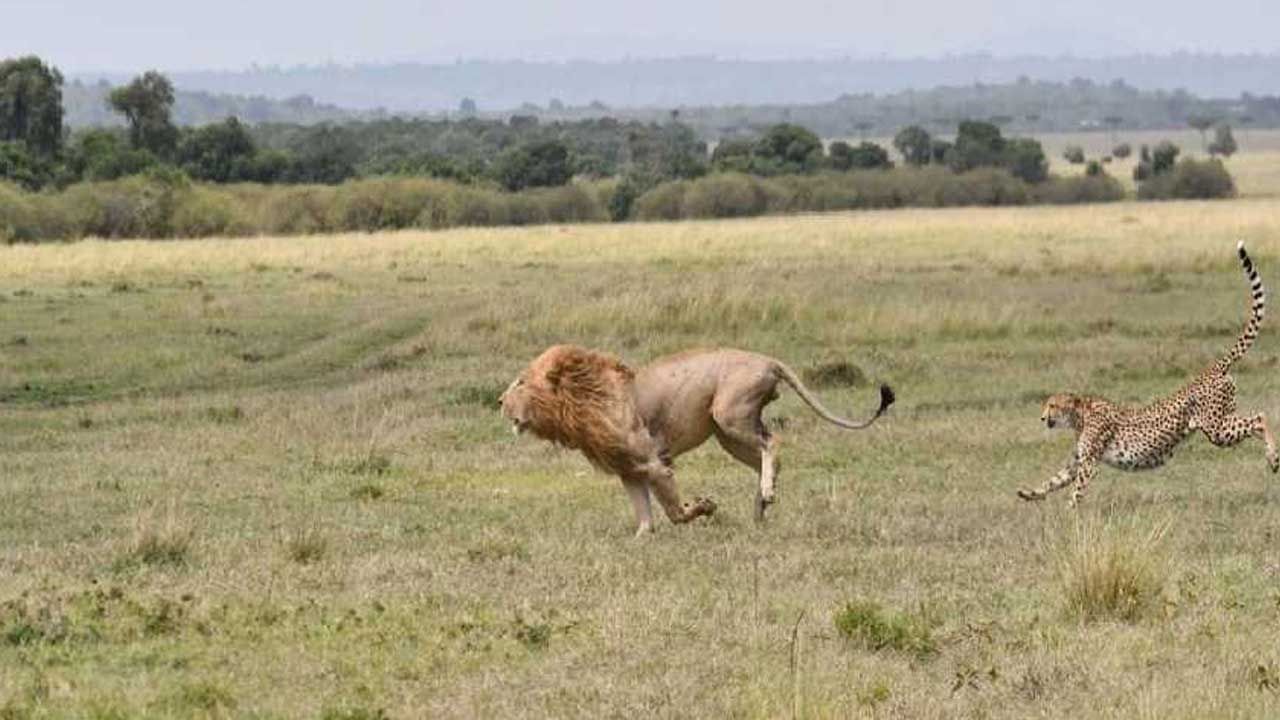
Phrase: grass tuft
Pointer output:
(840, 373)
(485, 396)
(367, 491)
(872, 627)
(307, 546)
(206, 696)
(159, 542)
(1114, 570)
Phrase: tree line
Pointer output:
(522, 153)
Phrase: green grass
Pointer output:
(238, 490)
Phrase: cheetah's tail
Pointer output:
(1257, 310)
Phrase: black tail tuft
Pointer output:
(886, 398)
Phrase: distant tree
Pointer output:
(1224, 143)
(541, 164)
(733, 156)
(523, 122)
(1073, 154)
(1202, 123)
(1163, 157)
(1093, 169)
(915, 145)
(21, 167)
(324, 154)
(146, 104)
(863, 127)
(866, 156)
(218, 153)
(1025, 159)
(1142, 170)
(467, 107)
(840, 156)
(787, 149)
(102, 154)
(1122, 151)
(978, 144)
(939, 149)
(31, 105)
(556, 105)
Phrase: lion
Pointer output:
(634, 425)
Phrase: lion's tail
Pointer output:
(789, 376)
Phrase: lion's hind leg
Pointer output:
(760, 453)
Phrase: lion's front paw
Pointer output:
(702, 506)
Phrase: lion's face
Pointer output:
(515, 403)
(1061, 409)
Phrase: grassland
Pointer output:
(265, 478)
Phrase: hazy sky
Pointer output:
(129, 35)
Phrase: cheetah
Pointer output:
(1142, 438)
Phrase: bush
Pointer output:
(18, 216)
(1079, 189)
(664, 202)
(724, 195)
(1190, 179)
(1122, 151)
(874, 628)
(1074, 154)
(1025, 160)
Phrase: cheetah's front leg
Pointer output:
(1060, 480)
(1084, 473)
(1057, 482)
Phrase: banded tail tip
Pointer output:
(1240, 247)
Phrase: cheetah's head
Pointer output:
(1061, 409)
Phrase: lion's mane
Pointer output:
(585, 400)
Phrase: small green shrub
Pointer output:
(874, 628)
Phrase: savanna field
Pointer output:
(267, 477)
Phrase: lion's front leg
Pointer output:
(662, 482)
(638, 492)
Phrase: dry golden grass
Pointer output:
(311, 422)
